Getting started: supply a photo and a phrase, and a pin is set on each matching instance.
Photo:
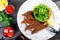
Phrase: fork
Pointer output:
(53, 30)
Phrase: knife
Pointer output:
(53, 30)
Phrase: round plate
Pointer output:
(43, 34)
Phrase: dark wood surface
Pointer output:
(17, 4)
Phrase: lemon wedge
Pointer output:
(50, 21)
(3, 4)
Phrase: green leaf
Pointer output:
(1, 18)
(11, 18)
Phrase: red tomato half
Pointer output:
(8, 32)
(10, 9)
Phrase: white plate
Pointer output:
(43, 34)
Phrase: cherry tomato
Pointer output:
(8, 32)
(10, 9)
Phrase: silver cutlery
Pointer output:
(52, 30)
